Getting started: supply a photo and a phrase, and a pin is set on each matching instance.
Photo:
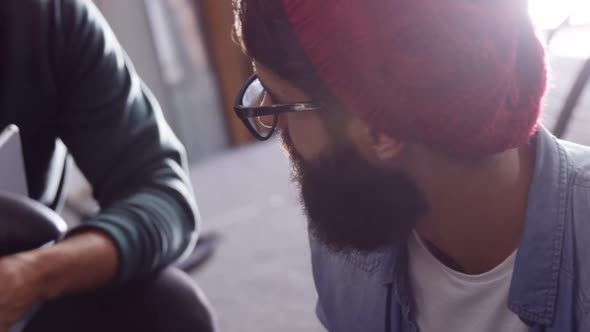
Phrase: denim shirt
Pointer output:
(550, 288)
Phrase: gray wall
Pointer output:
(161, 46)
(128, 20)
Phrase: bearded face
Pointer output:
(352, 205)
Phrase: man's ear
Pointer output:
(385, 147)
(381, 146)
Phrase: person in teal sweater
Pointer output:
(65, 78)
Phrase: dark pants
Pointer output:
(169, 301)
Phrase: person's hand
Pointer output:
(21, 287)
(82, 262)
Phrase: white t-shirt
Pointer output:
(450, 301)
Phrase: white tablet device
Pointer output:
(13, 177)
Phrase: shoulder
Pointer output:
(578, 164)
(50, 14)
(577, 254)
(578, 158)
(45, 21)
(29, 11)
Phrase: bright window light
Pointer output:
(548, 14)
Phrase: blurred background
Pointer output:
(259, 277)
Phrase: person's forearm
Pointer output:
(85, 261)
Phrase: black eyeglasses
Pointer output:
(262, 120)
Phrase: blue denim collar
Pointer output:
(534, 288)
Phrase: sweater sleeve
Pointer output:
(116, 132)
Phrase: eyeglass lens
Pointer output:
(255, 96)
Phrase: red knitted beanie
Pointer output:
(467, 76)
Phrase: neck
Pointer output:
(478, 211)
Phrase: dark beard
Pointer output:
(351, 205)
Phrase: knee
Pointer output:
(167, 301)
(173, 300)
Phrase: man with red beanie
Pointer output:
(436, 201)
